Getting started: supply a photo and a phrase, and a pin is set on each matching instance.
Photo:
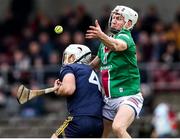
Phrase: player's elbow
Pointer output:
(68, 90)
(121, 46)
(68, 85)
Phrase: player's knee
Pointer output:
(118, 129)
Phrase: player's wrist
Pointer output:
(102, 36)
(56, 88)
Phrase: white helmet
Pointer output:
(127, 13)
(80, 53)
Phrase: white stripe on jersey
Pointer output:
(125, 35)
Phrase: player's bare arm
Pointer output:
(68, 85)
(95, 63)
(111, 43)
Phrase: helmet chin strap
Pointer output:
(78, 60)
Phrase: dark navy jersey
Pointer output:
(87, 98)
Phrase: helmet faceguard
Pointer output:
(76, 53)
(128, 14)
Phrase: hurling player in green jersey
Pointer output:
(117, 61)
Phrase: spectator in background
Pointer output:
(52, 69)
(83, 17)
(21, 61)
(159, 29)
(34, 51)
(162, 122)
(46, 45)
(78, 38)
(150, 19)
(17, 16)
(145, 46)
(21, 10)
(12, 106)
(27, 36)
(2, 99)
(34, 107)
(38, 65)
(177, 15)
(104, 18)
(171, 54)
(173, 34)
(54, 59)
(137, 30)
(62, 41)
(148, 96)
(159, 47)
(68, 19)
(42, 23)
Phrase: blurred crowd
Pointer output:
(30, 51)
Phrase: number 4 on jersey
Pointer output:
(94, 80)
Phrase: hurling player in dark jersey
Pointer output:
(79, 82)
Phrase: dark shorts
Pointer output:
(81, 127)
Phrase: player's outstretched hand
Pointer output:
(94, 31)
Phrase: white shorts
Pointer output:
(112, 104)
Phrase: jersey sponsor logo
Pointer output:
(121, 90)
(104, 61)
(106, 67)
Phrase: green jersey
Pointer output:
(119, 71)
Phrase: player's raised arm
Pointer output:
(111, 43)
